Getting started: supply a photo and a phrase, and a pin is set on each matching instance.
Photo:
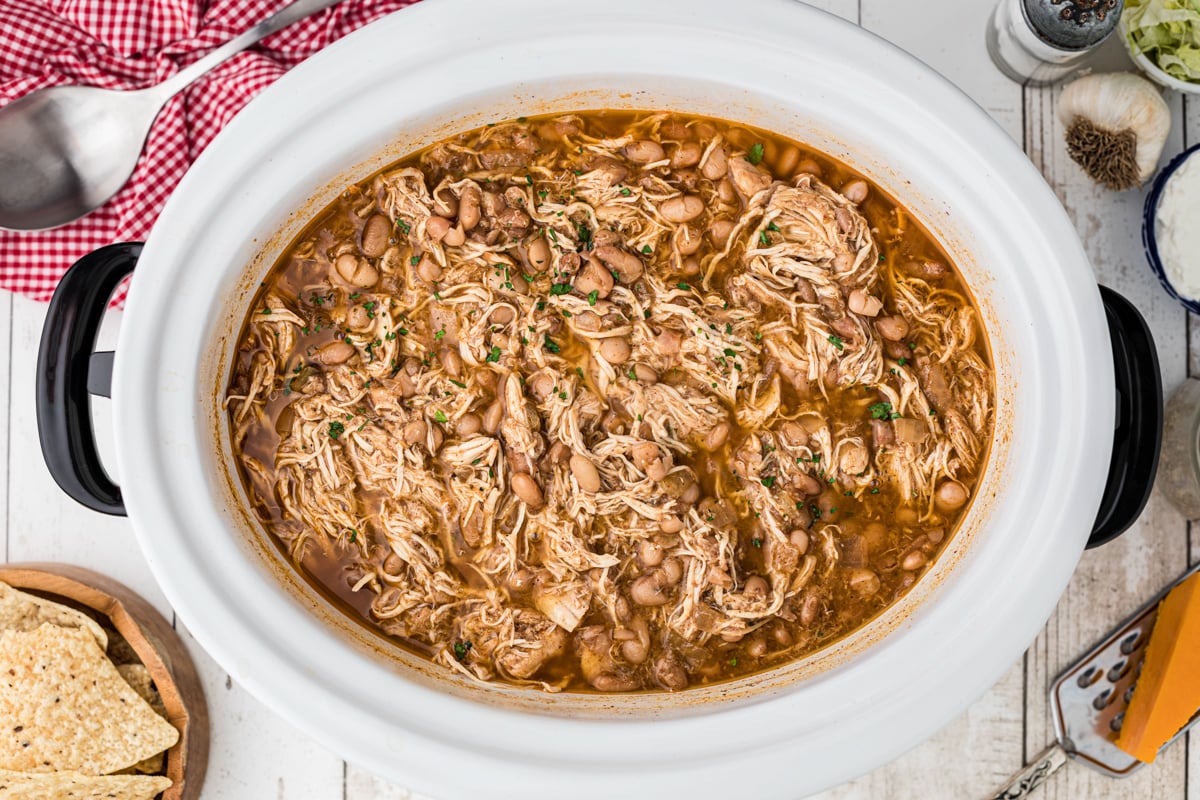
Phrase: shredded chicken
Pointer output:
(611, 401)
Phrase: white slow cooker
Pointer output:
(449, 65)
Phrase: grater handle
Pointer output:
(1023, 784)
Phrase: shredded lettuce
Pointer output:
(1168, 33)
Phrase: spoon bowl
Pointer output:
(65, 150)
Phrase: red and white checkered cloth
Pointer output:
(132, 44)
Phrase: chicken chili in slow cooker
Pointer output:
(612, 401)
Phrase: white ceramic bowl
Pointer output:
(423, 73)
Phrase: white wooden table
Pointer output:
(255, 755)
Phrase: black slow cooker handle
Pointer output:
(1137, 435)
(68, 372)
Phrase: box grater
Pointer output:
(1088, 702)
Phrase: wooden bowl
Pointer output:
(156, 644)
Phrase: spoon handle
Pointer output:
(294, 12)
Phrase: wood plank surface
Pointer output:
(256, 755)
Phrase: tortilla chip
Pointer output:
(74, 786)
(26, 612)
(138, 677)
(65, 706)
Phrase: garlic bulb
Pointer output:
(1117, 124)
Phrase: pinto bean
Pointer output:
(865, 304)
(913, 560)
(717, 436)
(502, 315)
(683, 208)
(651, 589)
(415, 431)
(358, 318)
(445, 204)
(686, 155)
(892, 328)
(527, 490)
(716, 165)
(756, 586)
(786, 161)
(334, 353)
(585, 472)
(862, 582)
(650, 553)
(493, 416)
(437, 228)
(669, 523)
(799, 537)
(644, 454)
(645, 374)
(376, 232)
(451, 361)
(810, 167)
(627, 266)
(726, 192)
(807, 484)
(468, 425)
(455, 236)
(594, 277)
(428, 269)
(855, 191)
(538, 253)
(644, 151)
(615, 350)
(669, 674)
(356, 271)
(950, 496)
(686, 239)
(468, 207)
(719, 230)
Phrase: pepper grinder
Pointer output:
(1038, 42)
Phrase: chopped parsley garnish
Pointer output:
(626, 191)
(883, 411)
(440, 416)
(646, 250)
(836, 341)
(459, 384)
(756, 542)
(353, 535)
(729, 351)
(336, 429)
(682, 285)
(265, 311)
(769, 481)
(494, 355)
(632, 374)
(551, 345)
(902, 361)
(355, 296)
(414, 260)
(440, 334)
(461, 649)
(755, 156)
(404, 226)
(560, 288)
(771, 226)
(593, 296)
(762, 238)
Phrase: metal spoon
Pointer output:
(66, 150)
